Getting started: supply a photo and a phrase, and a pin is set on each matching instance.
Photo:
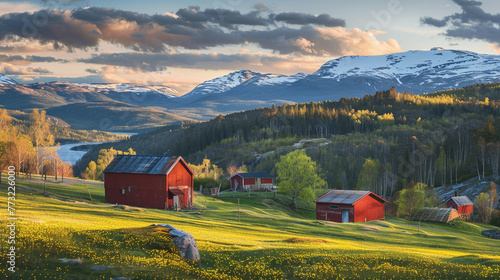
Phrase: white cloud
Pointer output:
(18, 7)
(9, 69)
(342, 41)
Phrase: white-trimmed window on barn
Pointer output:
(122, 191)
(334, 207)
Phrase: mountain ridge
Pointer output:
(413, 71)
(350, 76)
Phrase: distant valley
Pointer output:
(131, 107)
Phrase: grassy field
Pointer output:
(269, 242)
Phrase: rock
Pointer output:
(185, 242)
(493, 233)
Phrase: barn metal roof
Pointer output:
(345, 196)
(141, 164)
(254, 175)
(461, 200)
(435, 214)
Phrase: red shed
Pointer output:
(344, 206)
(255, 181)
(159, 182)
(461, 203)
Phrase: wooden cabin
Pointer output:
(251, 181)
(159, 182)
(345, 206)
(462, 204)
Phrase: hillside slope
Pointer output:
(267, 242)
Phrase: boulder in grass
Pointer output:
(184, 241)
(492, 233)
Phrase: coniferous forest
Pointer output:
(380, 142)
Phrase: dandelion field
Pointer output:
(269, 242)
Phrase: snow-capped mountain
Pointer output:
(417, 71)
(353, 76)
(276, 79)
(6, 80)
(222, 84)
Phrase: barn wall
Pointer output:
(462, 209)
(142, 190)
(323, 212)
(368, 209)
(267, 180)
(451, 204)
(249, 181)
(235, 179)
(468, 209)
(180, 176)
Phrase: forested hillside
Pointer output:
(379, 142)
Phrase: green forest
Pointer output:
(380, 142)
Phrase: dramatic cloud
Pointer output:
(223, 17)
(472, 23)
(191, 28)
(28, 59)
(304, 19)
(9, 69)
(365, 44)
(158, 62)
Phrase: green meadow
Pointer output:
(264, 240)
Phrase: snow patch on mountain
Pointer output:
(275, 79)
(7, 80)
(223, 83)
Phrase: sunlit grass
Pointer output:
(270, 242)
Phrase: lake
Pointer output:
(66, 154)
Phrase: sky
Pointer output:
(183, 43)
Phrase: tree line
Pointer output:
(380, 142)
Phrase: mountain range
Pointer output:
(350, 76)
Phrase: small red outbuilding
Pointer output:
(159, 182)
(461, 203)
(254, 181)
(344, 206)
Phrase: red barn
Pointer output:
(254, 181)
(344, 206)
(149, 181)
(461, 203)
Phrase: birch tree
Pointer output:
(297, 176)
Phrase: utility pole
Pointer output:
(55, 161)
